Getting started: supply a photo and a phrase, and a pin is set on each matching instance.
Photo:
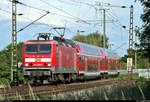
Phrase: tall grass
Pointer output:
(135, 91)
(122, 93)
(1, 97)
(32, 96)
(5, 83)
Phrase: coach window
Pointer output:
(60, 43)
(56, 48)
(79, 58)
(66, 45)
(69, 45)
(100, 60)
(106, 61)
(82, 59)
(63, 44)
(118, 62)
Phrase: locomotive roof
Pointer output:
(94, 50)
(38, 41)
(84, 48)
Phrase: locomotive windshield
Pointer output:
(38, 48)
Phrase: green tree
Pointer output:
(144, 34)
(123, 62)
(5, 61)
(92, 38)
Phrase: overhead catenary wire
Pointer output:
(18, 2)
(121, 30)
(66, 2)
(32, 22)
(8, 12)
(118, 22)
(53, 12)
(72, 17)
(46, 11)
(120, 46)
(21, 15)
(63, 11)
(109, 5)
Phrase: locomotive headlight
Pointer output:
(49, 64)
(45, 59)
(29, 59)
(26, 64)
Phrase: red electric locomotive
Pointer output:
(66, 60)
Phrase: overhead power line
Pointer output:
(118, 22)
(18, 2)
(21, 15)
(110, 5)
(32, 22)
(72, 17)
(123, 44)
(63, 11)
(66, 2)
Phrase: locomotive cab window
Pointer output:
(44, 48)
(35, 48)
(32, 48)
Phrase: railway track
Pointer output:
(26, 91)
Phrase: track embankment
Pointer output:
(25, 91)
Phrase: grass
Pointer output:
(138, 90)
(105, 94)
(31, 94)
(5, 84)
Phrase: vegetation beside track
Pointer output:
(138, 90)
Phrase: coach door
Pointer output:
(75, 61)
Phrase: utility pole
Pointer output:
(104, 24)
(14, 59)
(135, 49)
(131, 32)
(129, 60)
(104, 28)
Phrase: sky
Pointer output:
(72, 14)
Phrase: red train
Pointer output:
(66, 60)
